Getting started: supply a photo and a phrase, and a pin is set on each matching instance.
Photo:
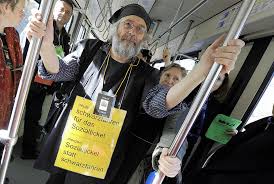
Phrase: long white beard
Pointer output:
(125, 50)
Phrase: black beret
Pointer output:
(131, 9)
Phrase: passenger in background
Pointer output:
(171, 75)
(174, 122)
(247, 158)
(11, 60)
(62, 13)
(211, 108)
(11, 13)
(217, 96)
(218, 91)
(164, 100)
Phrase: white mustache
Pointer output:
(130, 38)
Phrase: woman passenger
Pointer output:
(171, 75)
(164, 100)
(213, 106)
(11, 13)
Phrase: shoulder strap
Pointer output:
(90, 50)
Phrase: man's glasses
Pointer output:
(129, 26)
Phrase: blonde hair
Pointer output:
(12, 3)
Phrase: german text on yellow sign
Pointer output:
(89, 140)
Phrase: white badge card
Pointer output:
(104, 104)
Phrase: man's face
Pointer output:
(129, 36)
(62, 12)
(132, 30)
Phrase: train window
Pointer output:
(188, 64)
(159, 65)
(264, 106)
(32, 4)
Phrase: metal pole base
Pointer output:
(9, 143)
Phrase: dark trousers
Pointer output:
(34, 105)
(57, 178)
(65, 177)
(2, 146)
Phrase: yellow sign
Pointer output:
(89, 140)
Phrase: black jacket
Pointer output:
(246, 159)
(62, 38)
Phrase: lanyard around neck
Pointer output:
(127, 74)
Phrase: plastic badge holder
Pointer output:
(217, 131)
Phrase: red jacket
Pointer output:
(9, 79)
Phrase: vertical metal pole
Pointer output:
(22, 92)
(204, 91)
(183, 40)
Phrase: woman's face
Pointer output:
(171, 77)
(15, 16)
(218, 82)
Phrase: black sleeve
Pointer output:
(66, 44)
(25, 51)
(152, 79)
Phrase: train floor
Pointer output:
(22, 171)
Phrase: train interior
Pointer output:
(251, 83)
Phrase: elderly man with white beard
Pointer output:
(111, 75)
